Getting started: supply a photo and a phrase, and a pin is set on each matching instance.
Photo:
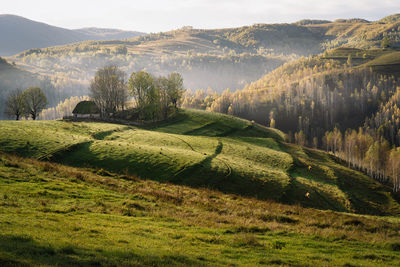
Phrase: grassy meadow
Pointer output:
(201, 189)
(51, 214)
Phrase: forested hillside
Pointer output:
(217, 59)
(345, 101)
(12, 77)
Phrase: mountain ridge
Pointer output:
(20, 34)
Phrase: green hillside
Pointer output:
(51, 214)
(203, 149)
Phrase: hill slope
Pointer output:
(19, 34)
(204, 149)
(13, 77)
(57, 215)
(218, 58)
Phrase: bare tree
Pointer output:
(35, 101)
(15, 104)
(108, 90)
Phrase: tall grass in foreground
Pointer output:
(51, 214)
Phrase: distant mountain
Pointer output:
(107, 34)
(19, 34)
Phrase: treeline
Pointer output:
(63, 109)
(386, 121)
(310, 97)
(219, 69)
(154, 97)
(313, 96)
(370, 153)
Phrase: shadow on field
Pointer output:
(355, 192)
(24, 251)
(200, 174)
(198, 168)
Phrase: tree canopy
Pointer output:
(108, 89)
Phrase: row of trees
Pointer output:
(369, 153)
(154, 97)
(63, 109)
(310, 97)
(25, 103)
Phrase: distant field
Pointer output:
(203, 149)
(382, 60)
(52, 214)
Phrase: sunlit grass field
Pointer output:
(52, 214)
(200, 189)
(203, 149)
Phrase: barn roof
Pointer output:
(86, 107)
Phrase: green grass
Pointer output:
(382, 60)
(208, 150)
(51, 214)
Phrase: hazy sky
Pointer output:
(163, 15)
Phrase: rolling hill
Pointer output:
(202, 149)
(19, 34)
(217, 58)
(52, 214)
(201, 189)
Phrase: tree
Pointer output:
(155, 96)
(108, 90)
(394, 168)
(300, 138)
(34, 101)
(175, 88)
(386, 42)
(141, 85)
(163, 85)
(15, 104)
(349, 60)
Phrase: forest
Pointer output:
(349, 110)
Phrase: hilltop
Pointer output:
(19, 34)
(216, 58)
(202, 149)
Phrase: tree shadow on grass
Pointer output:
(364, 195)
(204, 174)
(25, 251)
(221, 176)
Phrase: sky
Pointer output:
(163, 15)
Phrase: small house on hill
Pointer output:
(86, 109)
